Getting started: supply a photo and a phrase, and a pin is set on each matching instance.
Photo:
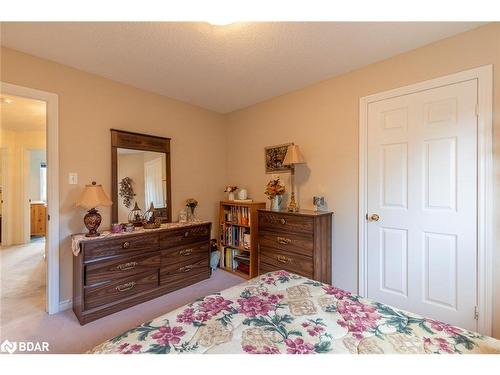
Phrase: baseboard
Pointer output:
(65, 305)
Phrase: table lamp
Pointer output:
(293, 156)
(93, 196)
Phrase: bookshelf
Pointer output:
(238, 237)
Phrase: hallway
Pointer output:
(22, 280)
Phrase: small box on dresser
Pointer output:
(298, 242)
(112, 273)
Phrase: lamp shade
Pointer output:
(93, 196)
(293, 156)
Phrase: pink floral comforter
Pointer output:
(283, 313)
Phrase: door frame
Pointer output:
(52, 137)
(5, 193)
(485, 183)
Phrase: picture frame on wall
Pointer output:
(274, 156)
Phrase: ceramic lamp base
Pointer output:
(92, 220)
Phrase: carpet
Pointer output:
(22, 280)
(65, 335)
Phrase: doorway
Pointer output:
(29, 179)
(24, 206)
(425, 227)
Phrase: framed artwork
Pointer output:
(274, 159)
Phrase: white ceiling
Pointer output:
(222, 68)
(22, 114)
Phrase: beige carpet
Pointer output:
(22, 280)
(65, 335)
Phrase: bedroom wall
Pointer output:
(89, 106)
(323, 120)
(16, 143)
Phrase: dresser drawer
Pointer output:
(103, 294)
(177, 272)
(107, 247)
(264, 268)
(185, 253)
(184, 236)
(286, 223)
(120, 268)
(301, 244)
(291, 262)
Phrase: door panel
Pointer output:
(394, 262)
(394, 181)
(422, 183)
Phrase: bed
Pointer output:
(283, 313)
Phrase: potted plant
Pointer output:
(191, 204)
(230, 189)
(274, 191)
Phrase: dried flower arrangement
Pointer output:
(127, 191)
(274, 188)
(192, 204)
(230, 188)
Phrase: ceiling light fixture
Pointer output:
(220, 21)
(6, 100)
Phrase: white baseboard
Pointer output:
(65, 305)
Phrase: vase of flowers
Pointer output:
(274, 191)
(230, 189)
(191, 204)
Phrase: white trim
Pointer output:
(485, 203)
(66, 304)
(25, 172)
(5, 195)
(53, 181)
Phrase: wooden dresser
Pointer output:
(115, 272)
(298, 242)
(38, 219)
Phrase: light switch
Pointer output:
(73, 178)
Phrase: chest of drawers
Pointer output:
(116, 272)
(298, 242)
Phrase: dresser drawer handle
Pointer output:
(283, 221)
(185, 252)
(124, 287)
(186, 268)
(186, 234)
(126, 266)
(283, 240)
(125, 245)
(284, 259)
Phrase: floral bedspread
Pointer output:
(280, 312)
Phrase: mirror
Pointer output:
(141, 174)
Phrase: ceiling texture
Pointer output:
(222, 68)
(22, 114)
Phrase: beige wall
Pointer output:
(323, 120)
(88, 107)
(16, 213)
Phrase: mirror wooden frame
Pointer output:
(144, 142)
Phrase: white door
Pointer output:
(153, 181)
(422, 184)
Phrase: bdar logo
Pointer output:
(9, 347)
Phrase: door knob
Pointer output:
(374, 217)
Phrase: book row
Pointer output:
(235, 236)
(237, 215)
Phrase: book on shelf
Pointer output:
(234, 259)
(237, 215)
(235, 236)
(246, 241)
